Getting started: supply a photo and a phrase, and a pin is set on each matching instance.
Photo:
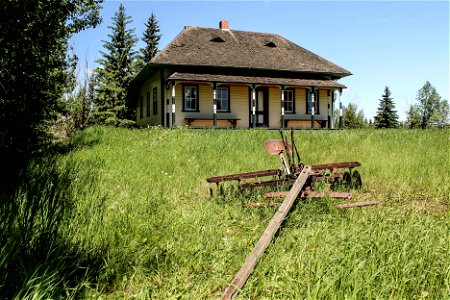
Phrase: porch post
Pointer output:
(214, 105)
(282, 107)
(341, 121)
(173, 103)
(333, 98)
(312, 108)
(254, 106)
(329, 108)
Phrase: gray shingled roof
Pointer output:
(198, 46)
(255, 80)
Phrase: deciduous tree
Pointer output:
(352, 117)
(33, 75)
(429, 110)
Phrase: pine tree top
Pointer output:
(151, 39)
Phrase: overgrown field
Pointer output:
(137, 220)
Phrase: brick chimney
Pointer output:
(224, 24)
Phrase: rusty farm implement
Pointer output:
(303, 182)
(334, 176)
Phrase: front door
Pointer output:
(262, 108)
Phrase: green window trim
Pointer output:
(289, 101)
(155, 101)
(191, 98)
(148, 104)
(223, 99)
(316, 102)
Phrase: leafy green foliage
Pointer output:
(117, 68)
(79, 103)
(352, 117)
(33, 75)
(430, 109)
(151, 39)
(441, 116)
(386, 116)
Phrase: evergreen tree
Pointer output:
(429, 109)
(352, 117)
(117, 68)
(386, 115)
(151, 39)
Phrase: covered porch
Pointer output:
(221, 101)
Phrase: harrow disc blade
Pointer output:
(276, 147)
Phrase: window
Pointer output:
(309, 102)
(190, 98)
(223, 99)
(155, 101)
(289, 101)
(148, 104)
(141, 107)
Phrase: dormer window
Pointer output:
(271, 44)
(217, 39)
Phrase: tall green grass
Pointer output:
(141, 224)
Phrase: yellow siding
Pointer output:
(323, 105)
(206, 99)
(148, 86)
(300, 105)
(179, 114)
(239, 105)
(205, 103)
(274, 108)
(300, 102)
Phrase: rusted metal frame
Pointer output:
(297, 153)
(240, 176)
(323, 175)
(336, 195)
(357, 204)
(330, 166)
(311, 194)
(266, 183)
(285, 142)
(259, 204)
(340, 206)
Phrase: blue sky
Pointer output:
(383, 43)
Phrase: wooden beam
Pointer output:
(251, 261)
(357, 204)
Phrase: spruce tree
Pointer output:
(151, 39)
(386, 115)
(117, 68)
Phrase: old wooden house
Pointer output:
(217, 77)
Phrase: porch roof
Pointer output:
(320, 83)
